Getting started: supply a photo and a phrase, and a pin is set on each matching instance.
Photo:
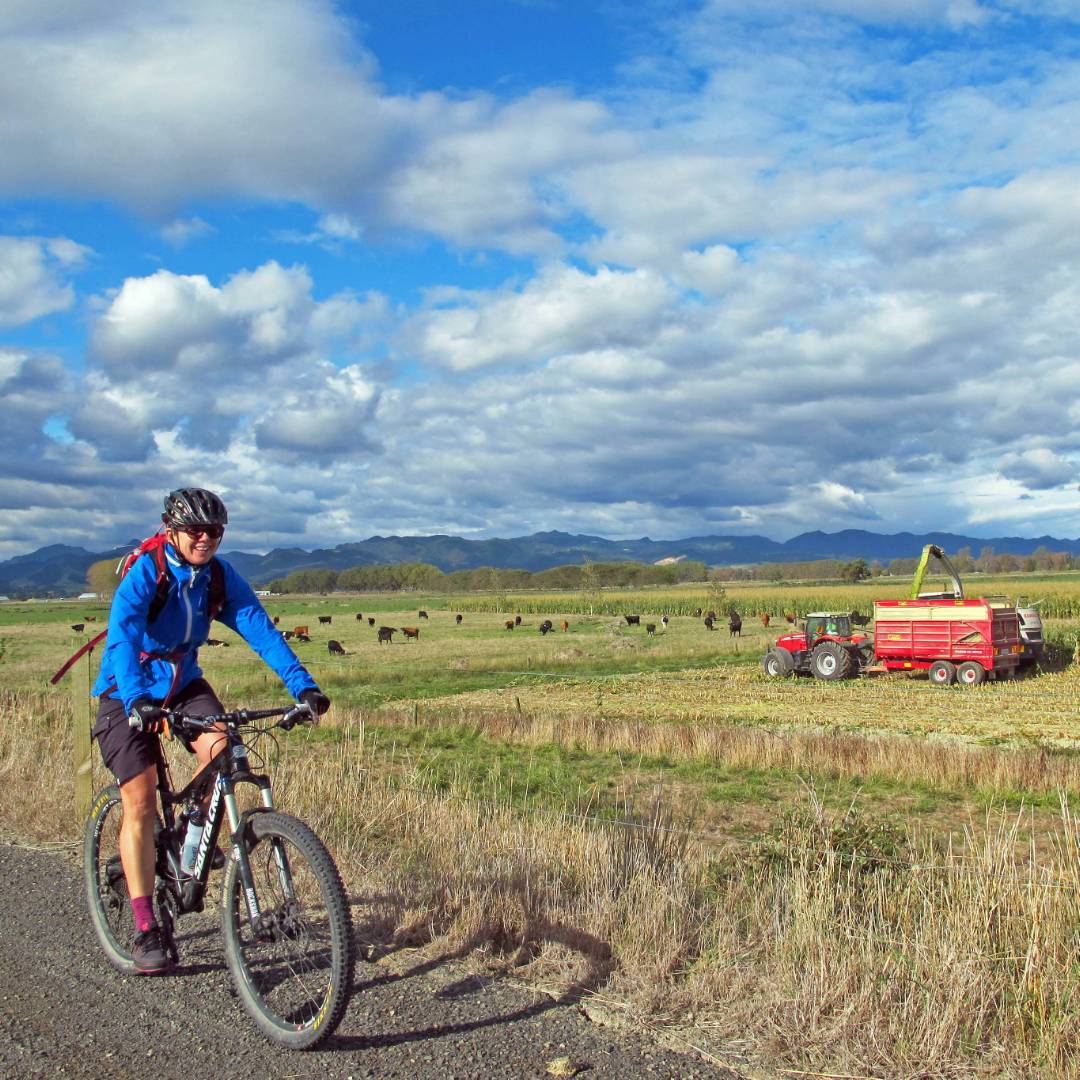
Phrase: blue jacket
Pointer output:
(143, 660)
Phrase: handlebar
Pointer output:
(291, 715)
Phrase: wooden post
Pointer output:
(80, 718)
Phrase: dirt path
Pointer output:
(65, 1012)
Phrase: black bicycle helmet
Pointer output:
(193, 506)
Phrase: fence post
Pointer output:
(80, 718)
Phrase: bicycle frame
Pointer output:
(228, 768)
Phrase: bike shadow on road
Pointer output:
(383, 936)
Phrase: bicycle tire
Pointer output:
(295, 977)
(106, 888)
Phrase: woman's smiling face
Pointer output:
(197, 545)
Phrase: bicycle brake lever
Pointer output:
(298, 714)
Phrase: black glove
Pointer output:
(316, 700)
(147, 715)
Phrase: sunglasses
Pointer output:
(213, 532)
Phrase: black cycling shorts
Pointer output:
(126, 751)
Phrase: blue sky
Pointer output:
(655, 268)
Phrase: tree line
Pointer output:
(424, 577)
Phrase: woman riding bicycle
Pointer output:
(156, 624)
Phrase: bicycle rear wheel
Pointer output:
(294, 969)
(106, 888)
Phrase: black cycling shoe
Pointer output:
(149, 953)
(217, 860)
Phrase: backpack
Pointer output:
(154, 546)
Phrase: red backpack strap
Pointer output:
(78, 656)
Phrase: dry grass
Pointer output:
(832, 946)
(1039, 710)
(822, 753)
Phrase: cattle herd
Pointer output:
(385, 634)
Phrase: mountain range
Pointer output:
(60, 569)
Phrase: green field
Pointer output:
(755, 852)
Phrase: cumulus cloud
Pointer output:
(33, 276)
(1037, 468)
(177, 356)
(98, 110)
(562, 309)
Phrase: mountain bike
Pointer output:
(285, 922)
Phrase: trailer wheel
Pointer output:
(831, 661)
(942, 673)
(970, 673)
(778, 663)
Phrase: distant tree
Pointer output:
(717, 590)
(964, 561)
(856, 570)
(101, 578)
(591, 595)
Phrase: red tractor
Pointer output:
(828, 647)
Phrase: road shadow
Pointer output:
(380, 935)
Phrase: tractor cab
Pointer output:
(826, 646)
(821, 626)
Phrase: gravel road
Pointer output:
(65, 1013)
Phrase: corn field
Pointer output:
(1057, 596)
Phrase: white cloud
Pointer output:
(1038, 468)
(178, 357)
(274, 100)
(32, 276)
(562, 310)
(182, 231)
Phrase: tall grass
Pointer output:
(822, 753)
(833, 945)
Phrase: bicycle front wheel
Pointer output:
(293, 968)
(106, 887)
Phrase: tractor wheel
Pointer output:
(942, 673)
(970, 673)
(778, 663)
(831, 660)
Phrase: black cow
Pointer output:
(735, 624)
(632, 620)
(214, 643)
(371, 620)
(287, 635)
(78, 627)
(423, 614)
(324, 619)
(359, 617)
(386, 633)
(650, 628)
(303, 637)
(546, 627)
(708, 620)
(277, 619)
(334, 647)
(458, 618)
(517, 620)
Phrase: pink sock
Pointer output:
(143, 909)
